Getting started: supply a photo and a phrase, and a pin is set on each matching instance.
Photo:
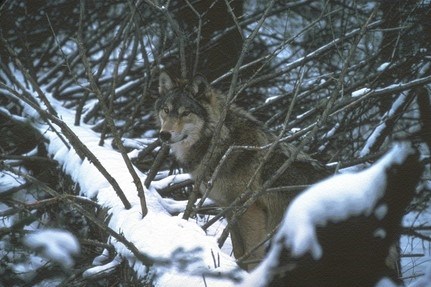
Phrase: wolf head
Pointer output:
(183, 109)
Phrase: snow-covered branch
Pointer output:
(340, 230)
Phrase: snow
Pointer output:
(270, 99)
(102, 268)
(174, 206)
(381, 211)
(360, 92)
(169, 180)
(377, 132)
(259, 276)
(8, 181)
(26, 269)
(386, 282)
(328, 135)
(102, 258)
(383, 67)
(159, 235)
(128, 86)
(57, 245)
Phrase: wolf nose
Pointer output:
(165, 136)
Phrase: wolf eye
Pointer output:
(166, 110)
(185, 113)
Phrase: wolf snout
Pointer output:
(171, 137)
(165, 136)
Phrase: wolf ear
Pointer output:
(200, 85)
(165, 83)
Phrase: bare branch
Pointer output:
(161, 156)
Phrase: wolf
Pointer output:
(189, 112)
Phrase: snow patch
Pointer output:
(360, 92)
(270, 99)
(57, 245)
(381, 211)
(102, 269)
(380, 233)
(386, 282)
(383, 67)
(331, 201)
(376, 134)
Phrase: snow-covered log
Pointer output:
(180, 250)
(339, 232)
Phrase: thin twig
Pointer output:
(234, 18)
(179, 33)
(198, 37)
(157, 163)
(149, 148)
(176, 186)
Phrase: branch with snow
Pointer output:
(168, 234)
(377, 137)
(339, 231)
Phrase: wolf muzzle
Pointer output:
(167, 137)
